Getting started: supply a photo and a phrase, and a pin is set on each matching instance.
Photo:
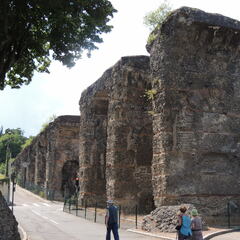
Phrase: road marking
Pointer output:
(35, 204)
(37, 213)
(53, 221)
(46, 204)
(47, 218)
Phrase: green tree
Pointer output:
(32, 30)
(10, 143)
(155, 18)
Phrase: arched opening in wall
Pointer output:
(98, 149)
(144, 155)
(144, 147)
(69, 174)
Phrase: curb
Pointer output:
(36, 196)
(207, 237)
(211, 235)
(30, 193)
(25, 237)
(151, 235)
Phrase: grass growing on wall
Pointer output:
(2, 176)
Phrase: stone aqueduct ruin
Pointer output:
(186, 151)
(51, 161)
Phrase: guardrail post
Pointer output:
(119, 216)
(136, 213)
(95, 216)
(64, 204)
(85, 209)
(69, 205)
(76, 206)
(228, 213)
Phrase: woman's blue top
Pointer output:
(186, 226)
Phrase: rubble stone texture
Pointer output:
(187, 152)
(51, 161)
(8, 223)
(116, 136)
(163, 219)
(196, 146)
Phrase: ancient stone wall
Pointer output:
(8, 223)
(116, 135)
(187, 152)
(51, 161)
(196, 146)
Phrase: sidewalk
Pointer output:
(128, 223)
(22, 233)
(208, 234)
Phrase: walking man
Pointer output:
(111, 220)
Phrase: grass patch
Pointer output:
(2, 176)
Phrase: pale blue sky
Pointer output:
(59, 92)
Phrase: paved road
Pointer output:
(228, 236)
(45, 220)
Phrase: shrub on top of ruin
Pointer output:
(46, 124)
(154, 19)
(28, 142)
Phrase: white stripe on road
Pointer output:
(36, 204)
(53, 221)
(40, 215)
(46, 204)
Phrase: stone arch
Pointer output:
(69, 174)
(144, 146)
(93, 143)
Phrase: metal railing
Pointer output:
(233, 214)
(97, 212)
(40, 190)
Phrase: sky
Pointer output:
(58, 93)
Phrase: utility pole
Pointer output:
(13, 179)
(8, 156)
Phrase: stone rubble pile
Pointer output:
(163, 219)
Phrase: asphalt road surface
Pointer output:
(45, 220)
(228, 236)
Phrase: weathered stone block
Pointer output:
(195, 67)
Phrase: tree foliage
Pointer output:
(12, 139)
(31, 30)
(155, 18)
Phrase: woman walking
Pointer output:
(196, 225)
(185, 222)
